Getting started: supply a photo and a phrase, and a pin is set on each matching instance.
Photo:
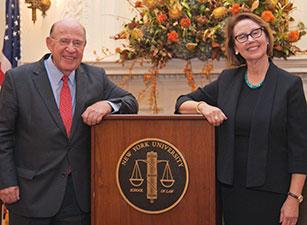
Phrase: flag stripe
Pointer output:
(1, 75)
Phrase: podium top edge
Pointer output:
(154, 117)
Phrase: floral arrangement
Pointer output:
(165, 29)
(185, 29)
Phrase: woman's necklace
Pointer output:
(252, 86)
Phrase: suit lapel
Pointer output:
(42, 84)
(228, 100)
(260, 125)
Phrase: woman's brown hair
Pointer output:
(238, 60)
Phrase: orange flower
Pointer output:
(118, 50)
(191, 46)
(201, 19)
(293, 36)
(235, 9)
(190, 78)
(185, 22)
(132, 25)
(138, 4)
(215, 44)
(147, 77)
(161, 18)
(267, 16)
(173, 36)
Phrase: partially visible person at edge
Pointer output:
(45, 147)
(259, 112)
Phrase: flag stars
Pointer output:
(11, 45)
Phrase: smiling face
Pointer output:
(66, 44)
(254, 48)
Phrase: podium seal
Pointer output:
(152, 175)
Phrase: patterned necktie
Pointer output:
(66, 105)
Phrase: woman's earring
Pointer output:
(236, 52)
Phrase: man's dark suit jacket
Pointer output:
(278, 138)
(34, 149)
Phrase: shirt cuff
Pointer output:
(115, 107)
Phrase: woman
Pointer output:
(261, 118)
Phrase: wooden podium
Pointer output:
(191, 135)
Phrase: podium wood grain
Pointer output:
(193, 137)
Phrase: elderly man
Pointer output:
(46, 110)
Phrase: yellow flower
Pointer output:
(175, 11)
(122, 35)
(137, 34)
(44, 5)
(150, 3)
(146, 19)
(272, 3)
(219, 12)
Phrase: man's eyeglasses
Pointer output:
(66, 42)
(256, 33)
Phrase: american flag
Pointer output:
(11, 42)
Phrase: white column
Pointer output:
(299, 14)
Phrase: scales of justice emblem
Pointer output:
(137, 180)
(152, 175)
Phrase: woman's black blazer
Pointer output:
(278, 137)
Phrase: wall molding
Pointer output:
(297, 65)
